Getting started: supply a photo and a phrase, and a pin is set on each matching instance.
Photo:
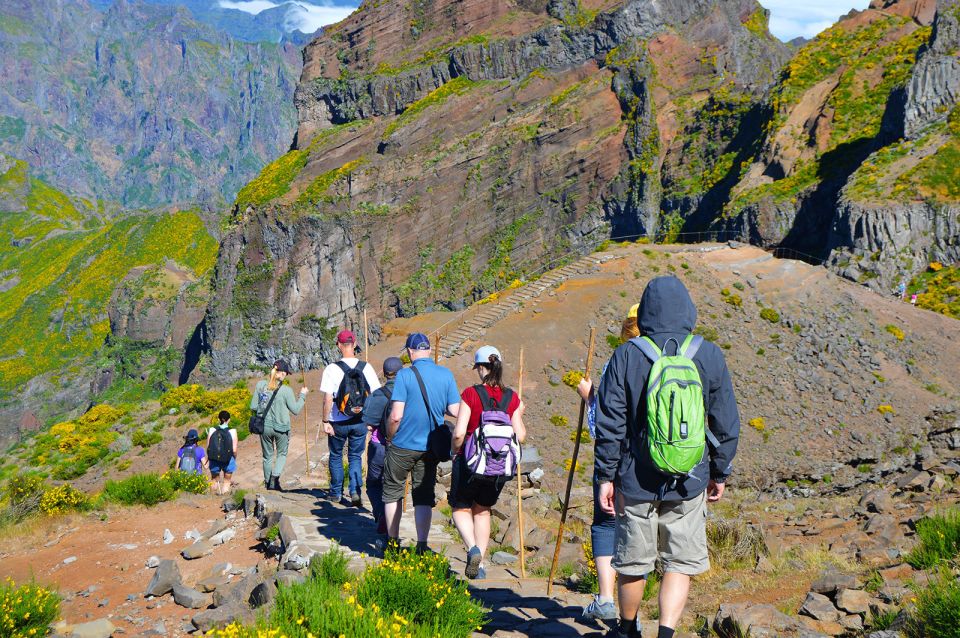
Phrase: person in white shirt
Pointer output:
(346, 385)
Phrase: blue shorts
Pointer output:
(216, 468)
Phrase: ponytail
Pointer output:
(494, 375)
(274, 382)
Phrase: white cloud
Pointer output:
(303, 16)
(790, 18)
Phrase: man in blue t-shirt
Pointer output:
(408, 428)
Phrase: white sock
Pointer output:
(604, 599)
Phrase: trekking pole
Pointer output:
(436, 348)
(523, 560)
(306, 434)
(366, 357)
(573, 468)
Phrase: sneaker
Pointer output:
(473, 563)
(481, 573)
(597, 610)
(355, 500)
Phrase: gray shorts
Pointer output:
(422, 469)
(673, 531)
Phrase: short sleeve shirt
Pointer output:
(416, 423)
(472, 399)
(333, 376)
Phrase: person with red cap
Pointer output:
(346, 384)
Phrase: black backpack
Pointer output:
(382, 427)
(353, 390)
(220, 447)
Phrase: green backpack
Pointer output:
(676, 418)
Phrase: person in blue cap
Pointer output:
(422, 394)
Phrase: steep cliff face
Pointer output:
(857, 159)
(446, 147)
(140, 104)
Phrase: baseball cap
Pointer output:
(345, 336)
(632, 313)
(392, 365)
(281, 366)
(417, 341)
(483, 355)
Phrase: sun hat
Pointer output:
(192, 436)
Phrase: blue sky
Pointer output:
(789, 18)
(807, 18)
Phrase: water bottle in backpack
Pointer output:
(492, 451)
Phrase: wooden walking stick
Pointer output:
(306, 434)
(366, 339)
(523, 560)
(573, 468)
(436, 348)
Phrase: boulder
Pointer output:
(212, 583)
(877, 501)
(819, 607)
(238, 593)
(503, 558)
(262, 594)
(854, 601)
(102, 628)
(757, 621)
(249, 504)
(287, 577)
(223, 536)
(189, 598)
(831, 580)
(197, 550)
(215, 528)
(222, 616)
(164, 579)
(287, 534)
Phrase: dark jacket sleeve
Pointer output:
(611, 425)
(723, 419)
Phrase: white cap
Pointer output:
(483, 355)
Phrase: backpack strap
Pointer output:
(505, 400)
(486, 402)
(647, 347)
(343, 366)
(270, 402)
(691, 345)
(423, 392)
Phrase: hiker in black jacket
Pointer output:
(659, 516)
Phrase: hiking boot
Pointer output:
(423, 548)
(355, 500)
(597, 610)
(333, 498)
(275, 483)
(633, 632)
(473, 563)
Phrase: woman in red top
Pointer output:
(472, 497)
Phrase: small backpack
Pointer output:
(188, 460)
(220, 447)
(676, 433)
(492, 451)
(353, 390)
(382, 426)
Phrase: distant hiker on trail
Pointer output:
(486, 444)
(422, 394)
(222, 442)
(346, 385)
(376, 412)
(902, 290)
(913, 299)
(603, 528)
(191, 457)
(664, 448)
(275, 402)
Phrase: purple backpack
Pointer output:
(492, 451)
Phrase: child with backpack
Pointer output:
(376, 411)
(486, 446)
(222, 444)
(191, 457)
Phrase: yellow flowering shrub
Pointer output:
(70, 448)
(26, 610)
(885, 409)
(758, 424)
(572, 378)
(63, 498)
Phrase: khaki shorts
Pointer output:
(673, 531)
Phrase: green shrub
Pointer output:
(770, 315)
(272, 534)
(139, 489)
(710, 334)
(938, 609)
(614, 341)
(422, 590)
(26, 610)
(559, 420)
(939, 540)
(145, 439)
(63, 498)
(186, 481)
(330, 567)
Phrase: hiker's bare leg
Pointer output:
(673, 598)
(481, 527)
(392, 513)
(227, 481)
(422, 516)
(631, 595)
(606, 576)
(463, 520)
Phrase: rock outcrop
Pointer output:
(428, 175)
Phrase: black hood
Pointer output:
(666, 307)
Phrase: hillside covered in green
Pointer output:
(61, 258)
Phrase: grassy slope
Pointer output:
(55, 313)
